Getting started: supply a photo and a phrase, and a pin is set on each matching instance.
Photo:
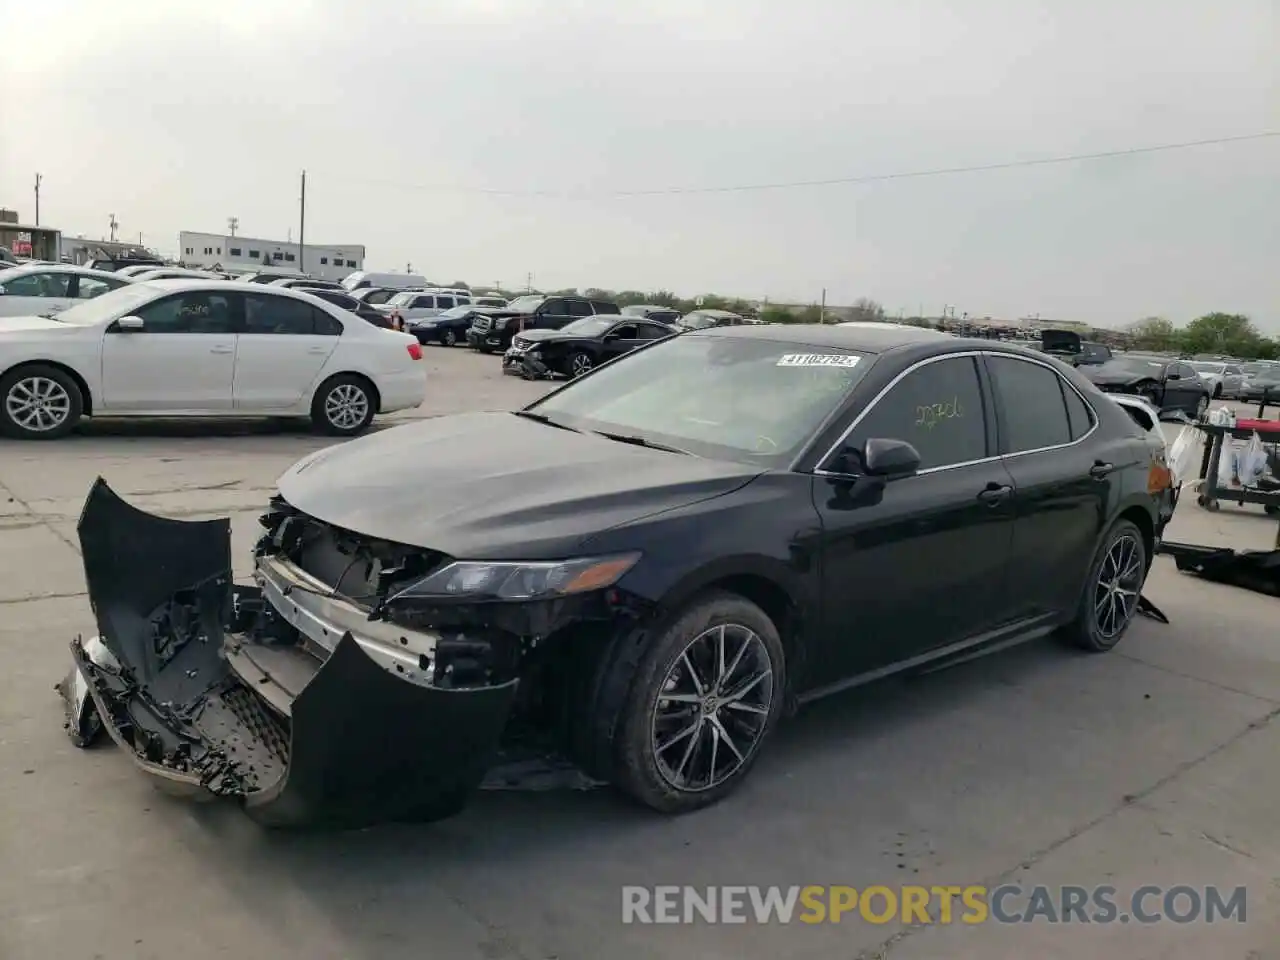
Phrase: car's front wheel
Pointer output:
(344, 406)
(1110, 599)
(449, 338)
(581, 363)
(39, 402)
(705, 694)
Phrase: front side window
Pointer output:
(51, 285)
(578, 308)
(937, 408)
(197, 311)
(1032, 406)
(755, 401)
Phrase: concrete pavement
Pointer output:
(1154, 764)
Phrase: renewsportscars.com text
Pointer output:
(1006, 904)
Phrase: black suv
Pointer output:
(494, 327)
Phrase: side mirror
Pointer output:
(890, 459)
(129, 324)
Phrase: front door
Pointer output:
(623, 338)
(283, 346)
(920, 562)
(181, 361)
(1183, 388)
(1062, 486)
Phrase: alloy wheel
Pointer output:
(449, 338)
(346, 406)
(38, 404)
(581, 364)
(1115, 595)
(712, 708)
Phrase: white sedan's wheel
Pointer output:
(344, 406)
(38, 403)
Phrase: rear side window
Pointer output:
(1032, 407)
(602, 306)
(1079, 414)
(937, 408)
(578, 308)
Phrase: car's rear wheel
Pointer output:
(706, 693)
(1110, 598)
(581, 363)
(449, 338)
(344, 405)
(39, 402)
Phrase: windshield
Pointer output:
(113, 303)
(401, 299)
(1141, 365)
(457, 312)
(589, 326)
(732, 398)
(525, 304)
(698, 321)
(1205, 367)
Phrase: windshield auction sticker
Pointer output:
(817, 360)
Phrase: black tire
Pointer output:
(39, 402)
(449, 339)
(1217, 392)
(640, 768)
(1095, 632)
(580, 363)
(338, 409)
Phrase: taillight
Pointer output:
(415, 350)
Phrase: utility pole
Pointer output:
(232, 224)
(822, 310)
(38, 179)
(114, 227)
(302, 221)
(528, 285)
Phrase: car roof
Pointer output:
(67, 268)
(871, 338)
(179, 284)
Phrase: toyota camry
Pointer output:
(641, 572)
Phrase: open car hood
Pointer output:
(1061, 341)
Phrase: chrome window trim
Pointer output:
(1093, 413)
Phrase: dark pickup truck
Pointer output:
(494, 327)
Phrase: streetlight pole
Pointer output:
(38, 179)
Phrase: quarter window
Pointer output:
(937, 408)
(1079, 414)
(1032, 406)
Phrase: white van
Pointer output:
(395, 281)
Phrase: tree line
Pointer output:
(1227, 334)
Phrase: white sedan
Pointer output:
(50, 287)
(203, 348)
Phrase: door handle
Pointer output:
(222, 349)
(1100, 469)
(317, 349)
(995, 494)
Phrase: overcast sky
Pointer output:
(484, 140)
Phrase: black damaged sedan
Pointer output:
(579, 347)
(640, 573)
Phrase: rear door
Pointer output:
(281, 349)
(1062, 481)
(182, 360)
(917, 563)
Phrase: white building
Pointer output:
(217, 251)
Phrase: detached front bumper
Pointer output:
(279, 695)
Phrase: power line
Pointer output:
(835, 181)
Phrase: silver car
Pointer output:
(1223, 379)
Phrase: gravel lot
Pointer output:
(1155, 764)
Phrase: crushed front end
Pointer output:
(304, 695)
